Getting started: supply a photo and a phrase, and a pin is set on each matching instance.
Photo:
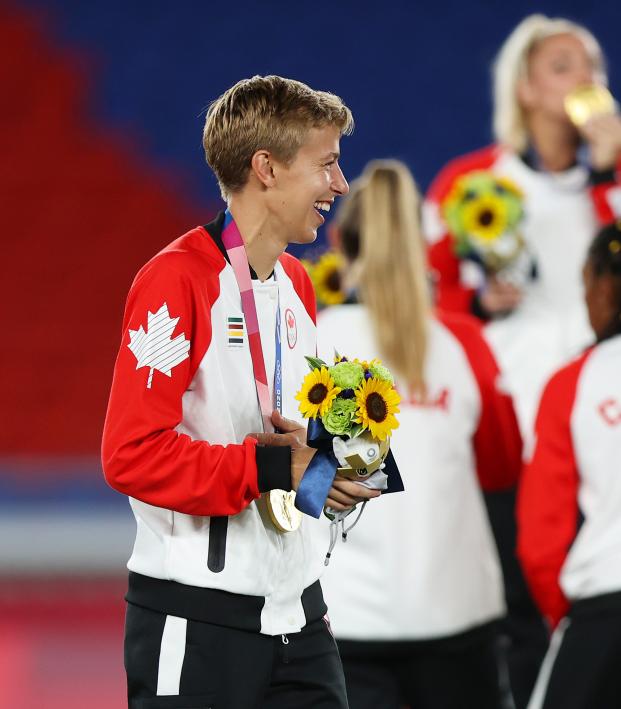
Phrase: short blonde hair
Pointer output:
(512, 64)
(265, 112)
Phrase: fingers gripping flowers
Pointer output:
(350, 397)
(352, 405)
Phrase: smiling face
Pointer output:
(304, 191)
(556, 65)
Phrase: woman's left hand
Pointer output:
(603, 134)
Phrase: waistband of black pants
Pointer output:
(404, 647)
(602, 604)
(211, 605)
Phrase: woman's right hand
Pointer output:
(499, 297)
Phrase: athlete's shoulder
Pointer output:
(464, 327)
(194, 255)
(481, 159)
(560, 389)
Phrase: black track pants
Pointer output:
(174, 663)
(582, 667)
(459, 672)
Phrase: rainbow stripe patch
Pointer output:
(235, 329)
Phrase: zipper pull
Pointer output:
(285, 653)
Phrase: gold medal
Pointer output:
(584, 102)
(284, 514)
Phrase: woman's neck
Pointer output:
(263, 245)
(555, 143)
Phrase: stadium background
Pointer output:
(101, 119)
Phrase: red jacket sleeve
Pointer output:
(497, 441)
(606, 195)
(143, 456)
(547, 509)
(451, 293)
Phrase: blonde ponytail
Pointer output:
(390, 267)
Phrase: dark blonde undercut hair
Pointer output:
(379, 225)
(265, 113)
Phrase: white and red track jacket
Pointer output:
(423, 563)
(182, 404)
(569, 501)
(562, 214)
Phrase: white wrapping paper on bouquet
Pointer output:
(361, 460)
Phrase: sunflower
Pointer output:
(485, 217)
(378, 402)
(317, 393)
(327, 278)
(367, 364)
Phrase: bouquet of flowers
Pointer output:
(326, 273)
(483, 212)
(351, 406)
(350, 397)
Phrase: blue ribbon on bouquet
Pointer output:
(313, 490)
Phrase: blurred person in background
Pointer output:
(223, 607)
(569, 181)
(569, 510)
(416, 592)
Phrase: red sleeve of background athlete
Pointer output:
(497, 441)
(451, 295)
(606, 197)
(142, 454)
(547, 508)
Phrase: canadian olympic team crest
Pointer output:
(292, 328)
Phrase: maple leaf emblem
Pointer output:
(155, 348)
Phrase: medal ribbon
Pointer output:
(317, 480)
(236, 251)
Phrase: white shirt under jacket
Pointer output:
(423, 563)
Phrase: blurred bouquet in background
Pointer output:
(326, 273)
(483, 213)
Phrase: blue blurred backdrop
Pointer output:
(102, 165)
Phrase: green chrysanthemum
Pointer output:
(347, 375)
(339, 419)
(380, 372)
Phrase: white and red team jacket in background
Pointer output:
(423, 563)
(569, 501)
(563, 211)
(182, 404)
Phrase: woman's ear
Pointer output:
(524, 93)
(261, 166)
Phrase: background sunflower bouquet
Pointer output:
(483, 212)
(351, 407)
(326, 273)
